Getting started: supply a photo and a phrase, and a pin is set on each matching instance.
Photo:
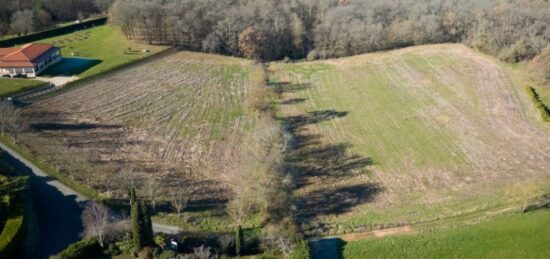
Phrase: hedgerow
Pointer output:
(543, 109)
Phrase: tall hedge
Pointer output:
(52, 32)
(543, 109)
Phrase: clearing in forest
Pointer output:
(407, 135)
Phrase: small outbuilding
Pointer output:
(28, 60)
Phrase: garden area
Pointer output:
(96, 50)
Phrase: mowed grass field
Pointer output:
(176, 123)
(509, 236)
(12, 86)
(408, 135)
(96, 50)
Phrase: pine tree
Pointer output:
(239, 240)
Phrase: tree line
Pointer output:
(512, 30)
(21, 17)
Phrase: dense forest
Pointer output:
(20, 17)
(512, 30)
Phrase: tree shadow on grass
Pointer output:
(71, 126)
(337, 200)
(58, 214)
(314, 163)
(326, 248)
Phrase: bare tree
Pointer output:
(152, 188)
(178, 199)
(22, 22)
(251, 43)
(126, 179)
(9, 118)
(96, 218)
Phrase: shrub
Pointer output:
(87, 248)
(543, 109)
(14, 230)
(301, 251)
(541, 65)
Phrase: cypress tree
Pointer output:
(239, 240)
(141, 224)
(147, 225)
(137, 225)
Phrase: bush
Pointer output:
(543, 109)
(541, 65)
(301, 251)
(87, 248)
(14, 230)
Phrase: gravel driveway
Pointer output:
(57, 80)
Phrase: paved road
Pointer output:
(58, 207)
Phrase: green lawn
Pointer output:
(510, 236)
(9, 86)
(96, 50)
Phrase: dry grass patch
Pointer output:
(178, 121)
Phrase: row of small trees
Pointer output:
(512, 30)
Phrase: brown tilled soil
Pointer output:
(177, 120)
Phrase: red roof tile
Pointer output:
(24, 56)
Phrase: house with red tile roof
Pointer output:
(28, 60)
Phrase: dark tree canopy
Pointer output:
(25, 16)
(512, 30)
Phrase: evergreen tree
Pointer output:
(147, 225)
(141, 225)
(239, 240)
(137, 225)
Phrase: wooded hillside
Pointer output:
(512, 30)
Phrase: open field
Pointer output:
(11, 86)
(509, 236)
(96, 50)
(408, 135)
(176, 122)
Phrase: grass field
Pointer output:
(377, 140)
(407, 135)
(509, 236)
(11, 86)
(176, 122)
(96, 50)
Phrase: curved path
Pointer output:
(58, 207)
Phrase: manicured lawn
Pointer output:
(96, 50)
(510, 236)
(9, 86)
